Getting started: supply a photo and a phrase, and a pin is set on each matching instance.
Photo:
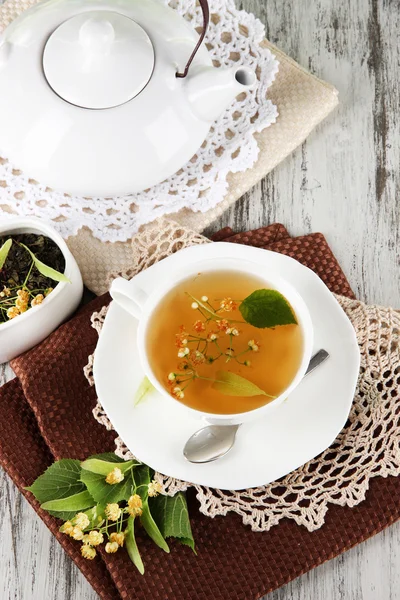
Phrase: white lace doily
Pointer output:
(234, 37)
(368, 446)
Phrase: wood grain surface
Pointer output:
(344, 181)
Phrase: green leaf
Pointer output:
(131, 546)
(44, 269)
(101, 467)
(73, 503)
(151, 528)
(60, 480)
(172, 517)
(144, 388)
(142, 479)
(4, 250)
(108, 457)
(103, 492)
(231, 384)
(267, 308)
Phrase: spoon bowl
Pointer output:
(215, 441)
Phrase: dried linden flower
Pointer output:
(177, 391)
(37, 300)
(13, 312)
(88, 552)
(154, 488)
(235, 332)
(67, 528)
(254, 346)
(228, 305)
(95, 538)
(199, 326)
(6, 293)
(111, 547)
(23, 295)
(115, 476)
(135, 506)
(21, 305)
(118, 537)
(195, 306)
(77, 533)
(112, 511)
(183, 352)
(171, 377)
(81, 520)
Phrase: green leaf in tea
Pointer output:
(145, 388)
(60, 480)
(230, 384)
(172, 517)
(4, 250)
(44, 269)
(267, 308)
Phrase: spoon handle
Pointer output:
(316, 360)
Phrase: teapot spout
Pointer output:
(210, 90)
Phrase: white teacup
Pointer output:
(135, 301)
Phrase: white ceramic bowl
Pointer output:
(132, 298)
(33, 326)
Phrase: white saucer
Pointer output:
(297, 431)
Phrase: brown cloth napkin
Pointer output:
(46, 414)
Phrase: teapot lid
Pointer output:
(98, 60)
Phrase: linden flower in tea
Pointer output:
(223, 343)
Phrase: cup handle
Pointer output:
(129, 296)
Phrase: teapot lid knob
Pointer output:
(98, 60)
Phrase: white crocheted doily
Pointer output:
(368, 446)
(234, 37)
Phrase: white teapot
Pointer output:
(108, 97)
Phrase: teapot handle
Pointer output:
(206, 20)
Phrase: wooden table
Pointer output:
(343, 181)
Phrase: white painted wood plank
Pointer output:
(343, 182)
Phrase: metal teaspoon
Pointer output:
(214, 441)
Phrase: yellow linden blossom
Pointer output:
(112, 512)
(118, 537)
(81, 520)
(111, 547)
(88, 552)
(154, 488)
(13, 312)
(77, 533)
(37, 300)
(95, 538)
(67, 528)
(115, 476)
(135, 506)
